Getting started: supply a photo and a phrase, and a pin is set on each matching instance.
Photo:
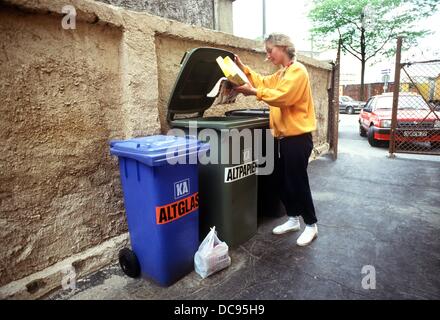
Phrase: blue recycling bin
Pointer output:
(159, 176)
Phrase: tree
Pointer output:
(367, 28)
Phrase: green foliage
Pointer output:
(368, 28)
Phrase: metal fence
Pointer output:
(333, 105)
(415, 125)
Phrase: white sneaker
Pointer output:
(308, 235)
(290, 225)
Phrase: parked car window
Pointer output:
(346, 98)
(368, 105)
(412, 102)
(385, 103)
(373, 104)
(405, 102)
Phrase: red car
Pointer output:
(416, 122)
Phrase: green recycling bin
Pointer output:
(269, 202)
(228, 188)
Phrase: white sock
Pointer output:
(311, 227)
(294, 219)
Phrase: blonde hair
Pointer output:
(281, 40)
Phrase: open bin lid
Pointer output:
(199, 72)
(156, 150)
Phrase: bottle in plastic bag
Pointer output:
(212, 256)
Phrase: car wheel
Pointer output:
(362, 131)
(129, 263)
(349, 110)
(373, 142)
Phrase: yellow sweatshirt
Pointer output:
(289, 96)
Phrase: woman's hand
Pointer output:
(246, 89)
(238, 62)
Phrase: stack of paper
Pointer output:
(232, 71)
(223, 92)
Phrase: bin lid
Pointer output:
(198, 74)
(155, 150)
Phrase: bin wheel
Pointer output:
(129, 263)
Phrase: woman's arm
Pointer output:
(287, 92)
(255, 78)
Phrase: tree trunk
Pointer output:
(363, 55)
(361, 92)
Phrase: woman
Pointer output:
(292, 119)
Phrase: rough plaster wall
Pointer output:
(319, 82)
(169, 54)
(196, 12)
(139, 84)
(59, 188)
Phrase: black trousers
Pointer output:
(292, 161)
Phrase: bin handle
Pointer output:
(183, 58)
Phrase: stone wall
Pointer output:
(196, 12)
(65, 94)
(211, 14)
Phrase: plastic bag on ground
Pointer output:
(212, 255)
